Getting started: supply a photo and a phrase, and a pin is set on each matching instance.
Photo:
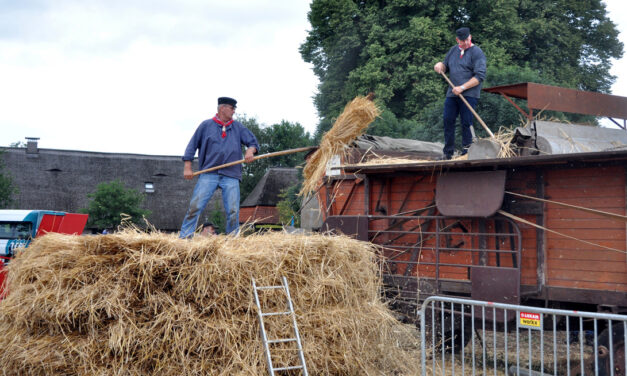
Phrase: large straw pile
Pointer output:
(351, 123)
(139, 304)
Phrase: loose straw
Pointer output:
(352, 123)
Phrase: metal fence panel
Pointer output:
(470, 337)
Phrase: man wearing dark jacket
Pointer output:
(218, 141)
(466, 65)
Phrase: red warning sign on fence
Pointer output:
(530, 320)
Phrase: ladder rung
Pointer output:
(288, 368)
(276, 313)
(282, 340)
(269, 287)
(264, 335)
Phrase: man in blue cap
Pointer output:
(218, 141)
(466, 65)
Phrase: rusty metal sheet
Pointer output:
(514, 90)
(541, 97)
(354, 226)
(470, 194)
(495, 284)
(576, 101)
(501, 285)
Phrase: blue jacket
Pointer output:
(213, 150)
(471, 64)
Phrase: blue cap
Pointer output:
(462, 33)
(227, 100)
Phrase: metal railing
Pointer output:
(430, 249)
(469, 337)
(500, 237)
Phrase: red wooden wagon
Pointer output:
(476, 228)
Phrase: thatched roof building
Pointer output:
(61, 179)
(260, 205)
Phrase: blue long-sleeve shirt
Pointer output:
(213, 150)
(461, 69)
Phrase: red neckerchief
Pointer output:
(215, 118)
(461, 54)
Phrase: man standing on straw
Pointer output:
(466, 65)
(218, 141)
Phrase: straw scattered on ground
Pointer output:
(135, 304)
(351, 123)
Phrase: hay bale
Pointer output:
(136, 304)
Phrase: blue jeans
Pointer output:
(205, 187)
(454, 106)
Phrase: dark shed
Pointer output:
(260, 205)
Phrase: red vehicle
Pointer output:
(19, 227)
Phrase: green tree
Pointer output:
(289, 206)
(495, 111)
(7, 187)
(273, 138)
(217, 217)
(110, 201)
(389, 125)
(390, 47)
(251, 172)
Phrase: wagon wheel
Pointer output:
(618, 343)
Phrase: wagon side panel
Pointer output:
(528, 183)
(572, 263)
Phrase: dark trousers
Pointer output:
(454, 106)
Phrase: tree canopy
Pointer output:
(390, 47)
(110, 201)
(272, 138)
(289, 206)
(7, 187)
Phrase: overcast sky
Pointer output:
(138, 76)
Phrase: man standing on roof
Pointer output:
(218, 141)
(466, 65)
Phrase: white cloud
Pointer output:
(139, 78)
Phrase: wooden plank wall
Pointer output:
(568, 263)
(398, 194)
(391, 195)
(401, 194)
(574, 264)
(526, 182)
(339, 198)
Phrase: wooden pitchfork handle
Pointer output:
(469, 106)
(275, 154)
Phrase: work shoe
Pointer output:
(444, 157)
